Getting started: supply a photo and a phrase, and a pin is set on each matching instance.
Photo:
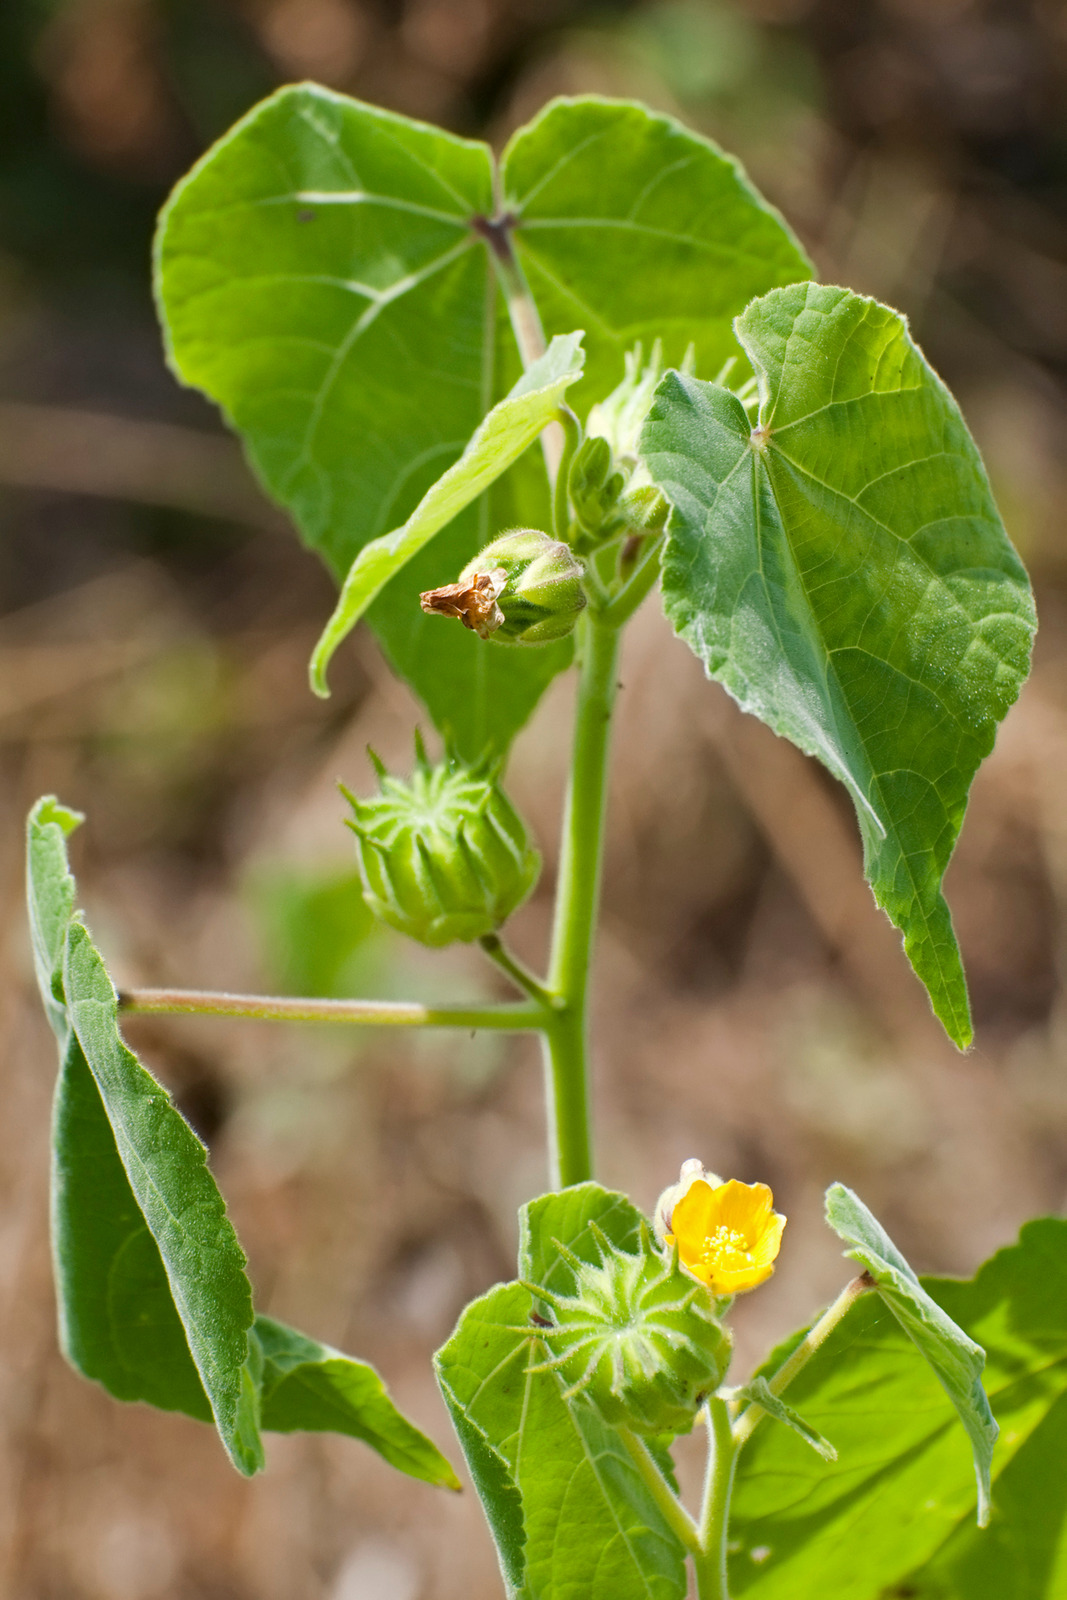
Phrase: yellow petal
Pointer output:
(692, 1219)
(744, 1206)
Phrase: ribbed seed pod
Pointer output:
(445, 857)
(638, 1338)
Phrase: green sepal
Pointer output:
(566, 1505)
(444, 857)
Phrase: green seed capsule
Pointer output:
(444, 857)
(638, 1338)
(524, 588)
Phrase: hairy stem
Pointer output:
(637, 586)
(375, 1013)
(577, 903)
(519, 974)
(524, 316)
(561, 506)
(710, 1562)
(674, 1513)
(815, 1336)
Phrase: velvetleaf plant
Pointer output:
(504, 399)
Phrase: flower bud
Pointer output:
(637, 1338)
(444, 857)
(524, 588)
(594, 488)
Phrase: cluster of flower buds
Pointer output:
(638, 1338)
(524, 588)
(609, 488)
(445, 857)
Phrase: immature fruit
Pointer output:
(638, 1338)
(524, 588)
(444, 857)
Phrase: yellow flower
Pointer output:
(727, 1236)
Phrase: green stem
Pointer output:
(519, 974)
(637, 586)
(577, 902)
(524, 316)
(710, 1563)
(561, 505)
(674, 1513)
(799, 1358)
(376, 1013)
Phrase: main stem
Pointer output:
(577, 902)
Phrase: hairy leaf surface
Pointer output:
(957, 1360)
(153, 1299)
(896, 1509)
(324, 276)
(842, 570)
(569, 1512)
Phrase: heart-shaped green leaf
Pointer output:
(565, 1502)
(324, 273)
(841, 568)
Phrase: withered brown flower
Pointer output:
(473, 602)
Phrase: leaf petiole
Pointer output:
(518, 972)
(561, 506)
(674, 1513)
(815, 1336)
(373, 1013)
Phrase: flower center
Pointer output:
(727, 1248)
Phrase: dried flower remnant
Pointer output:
(728, 1236)
(473, 601)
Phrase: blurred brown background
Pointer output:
(753, 1008)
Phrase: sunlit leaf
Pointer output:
(324, 275)
(306, 1386)
(152, 1296)
(957, 1360)
(841, 568)
(870, 1525)
(564, 1500)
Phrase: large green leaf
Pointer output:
(153, 1300)
(178, 1199)
(320, 275)
(568, 1510)
(633, 227)
(512, 425)
(957, 1360)
(841, 568)
(902, 1488)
